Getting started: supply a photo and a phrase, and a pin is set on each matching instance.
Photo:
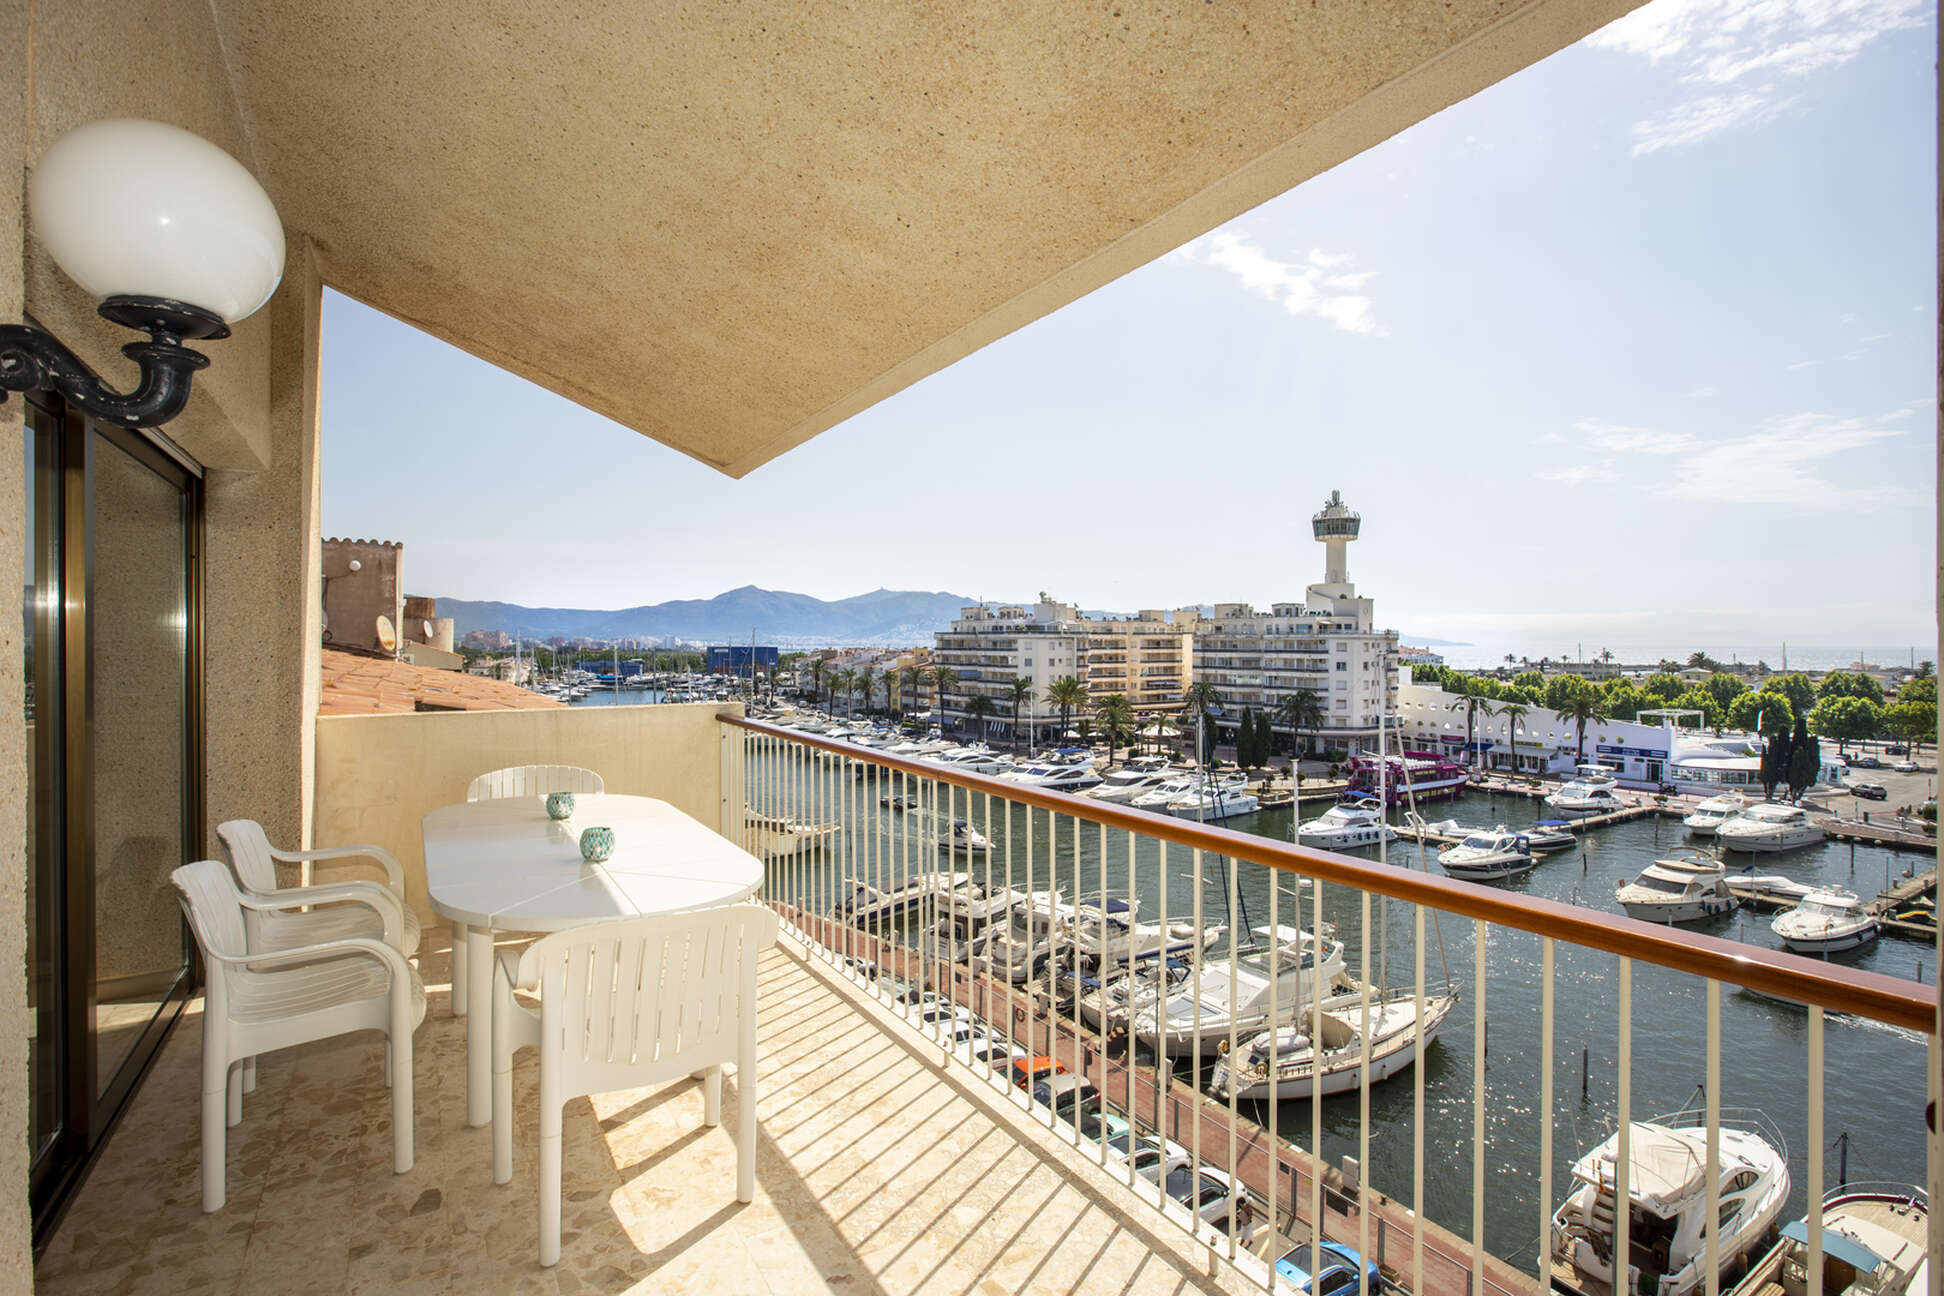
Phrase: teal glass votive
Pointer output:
(560, 805)
(596, 844)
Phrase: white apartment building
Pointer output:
(1149, 657)
(1328, 644)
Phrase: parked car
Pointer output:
(1024, 1070)
(1337, 1274)
(1215, 1198)
(1897, 749)
(1905, 767)
(992, 1049)
(1864, 761)
(1869, 791)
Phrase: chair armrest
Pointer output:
(350, 947)
(391, 910)
(393, 874)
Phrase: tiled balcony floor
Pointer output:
(876, 1173)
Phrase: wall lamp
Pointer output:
(174, 237)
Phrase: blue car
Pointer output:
(1339, 1276)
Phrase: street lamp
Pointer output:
(174, 237)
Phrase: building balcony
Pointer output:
(877, 1171)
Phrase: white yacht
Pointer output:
(969, 760)
(1215, 799)
(1581, 797)
(1875, 1242)
(1136, 778)
(1828, 921)
(1185, 1004)
(1710, 814)
(1488, 856)
(1061, 772)
(1549, 835)
(1287, 1055)
(1770, 826)
(1667, 1185)
(1349, 825)
(1016, 947)
(866, 902)
(1112, 936)
(1179, 784)
(1689, 889)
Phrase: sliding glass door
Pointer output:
(113, 624)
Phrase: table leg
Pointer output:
(479, 1026)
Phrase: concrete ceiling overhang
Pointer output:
(731, 226)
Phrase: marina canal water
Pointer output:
(1875, 1075)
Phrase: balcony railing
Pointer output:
(1081, 932)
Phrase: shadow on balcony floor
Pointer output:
(873, 1175)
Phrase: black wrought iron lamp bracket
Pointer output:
(34, 360)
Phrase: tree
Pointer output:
(1302, 712)
(1797, 687)
(1772, 709)
(1021, 689)
(1200, 699)
(1250, 749)
(847, 685)
(1926, 669)
(1664, 685)
(1846, 719)
(916, 679)
(1849, 684)
(1561, 687)
(977, 708)
(1472, 702)
(890, 680)
(1922, 688)
(1623, 700)
(1701, 661)
(944, 679)
(1775, 761)
(1531, 679)
(1805, 759)
(1115, 715)
(1515, 714)
(1725, 688)
(1700, 699)
(818, 669)
(866, 681)
(1578, 702)
(1068, 694)
(1912, 721)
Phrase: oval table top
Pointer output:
(504, 865)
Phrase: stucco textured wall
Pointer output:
(378, 776)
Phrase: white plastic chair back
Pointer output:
(533, 780)
(249, 851)
(634, 1002)
(208, 896)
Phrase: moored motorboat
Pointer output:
(1828, 921)
(964, 839)
(1689, 889)
(1550, 835)
(1667, 1190)
(1286, 1054)
(1580, 797)
(1769, 827)
(1710, 814)
(1875, 1242)
(1488, 856)
(1348, 825)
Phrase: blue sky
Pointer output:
(1635, 347)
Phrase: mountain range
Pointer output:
(776, 616)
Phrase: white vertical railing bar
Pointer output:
(1161, 1093)
(1275, 1016)
(1544, 1258)
(1711, 1222)
(1417, 1111)
(1073, 975)
(1127, 1036)
(1478, 1109)
(1316, 1071)
(1234, 872)
(1194, 1112)
(1815, 1151)
(1100, 977)
(1028, 983)
(1363, 1089)
(1623, 1147)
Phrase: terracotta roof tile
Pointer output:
(358, 685)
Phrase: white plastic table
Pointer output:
(503, 866)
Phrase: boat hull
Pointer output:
(1685, 911)
(1831, 944)
(1767, 845)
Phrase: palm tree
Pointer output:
(890, 680)
(1473, 700)
(1302, 711)
(866, 681)
(1022, 692)
(916, 678)
(1514, 713)
(1068, 694)
(1117, 720)
(1198, 700)
(1581, 705)
(846, 682)
(817, 670)
(977, 708)
(944, 680)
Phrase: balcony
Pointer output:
(877, 1171)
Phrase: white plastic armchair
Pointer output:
(256, 1002)
(623, 1005)
(337, 910)
(499, 784)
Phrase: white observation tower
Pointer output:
(1336, 526)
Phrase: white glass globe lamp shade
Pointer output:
(137, 208)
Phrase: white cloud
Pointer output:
(1778, 465)
(1805, 364)
(1738, 55)
(1632, 440)
(1580, 474)
(1323, 284)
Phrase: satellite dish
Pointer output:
(428, 630)
(387, 637)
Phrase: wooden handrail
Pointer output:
(1775, 972)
